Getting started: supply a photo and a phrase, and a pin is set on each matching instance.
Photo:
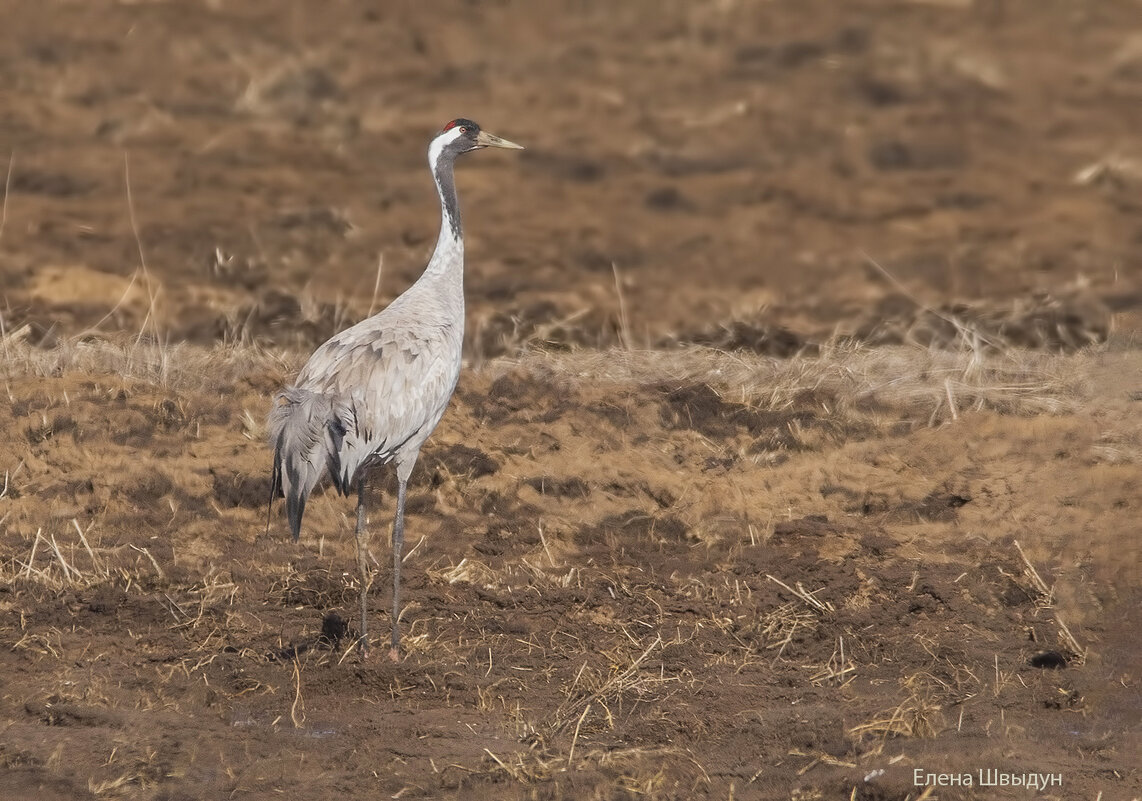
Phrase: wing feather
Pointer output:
(392, 383)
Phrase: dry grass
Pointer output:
(916, 716)
(588, 689)
(60, 563)
(913, 382)
(905, 379)
(173, 366)
(1045, 597)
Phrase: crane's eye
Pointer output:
(463, 129)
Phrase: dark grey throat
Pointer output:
(449, 202)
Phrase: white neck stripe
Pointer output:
(439, 143)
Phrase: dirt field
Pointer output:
(798, 449)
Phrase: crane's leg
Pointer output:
(363, 565)
(398, 547)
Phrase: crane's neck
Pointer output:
(448, 258)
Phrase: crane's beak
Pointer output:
(485, 139)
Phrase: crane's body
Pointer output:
(373, 393)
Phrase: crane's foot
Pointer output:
(363, 648)
(394, 654)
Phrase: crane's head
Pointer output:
(460, 136)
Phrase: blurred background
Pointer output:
(761, 174)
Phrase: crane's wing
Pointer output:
(388, 387)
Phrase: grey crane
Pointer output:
(373, 393)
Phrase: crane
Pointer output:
(372, 394)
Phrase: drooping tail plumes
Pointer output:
(306, 432)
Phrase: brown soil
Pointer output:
(908, 542)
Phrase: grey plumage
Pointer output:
(307, 436)
(373, 393)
